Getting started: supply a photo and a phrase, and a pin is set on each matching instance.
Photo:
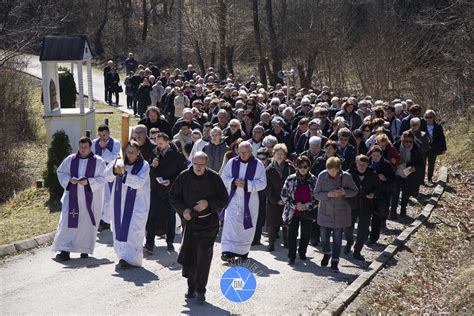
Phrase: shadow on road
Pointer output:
(139, 275)
(88, 263)
(195, 308)
(105, 237)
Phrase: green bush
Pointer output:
(67, 88)
(59, 150)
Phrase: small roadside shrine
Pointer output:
(73, 50)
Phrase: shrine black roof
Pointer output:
(64, 47)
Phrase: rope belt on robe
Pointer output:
(122, 225)
(73, 215)
(249, 175)
(99, 151)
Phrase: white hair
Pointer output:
(315, 140)
(415, 121)
(289, 110)
(235, 121)
(275, 100)
(245, 143)
(269, 140)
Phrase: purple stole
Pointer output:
(122, 225)
(98, 152)
(98, 149)
(73, 215)
(249, 175)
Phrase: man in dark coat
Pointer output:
(166, 164)
(415, 111)
(135, 82)
(106, 70)
(362, 205)
(437, 141)
(188, 73)
(346, 150)
(130, 63)
(282, 136)
(408, 173)
(198, 194)
(277, 172)
(153, 120)
(111, 82)
(140, 134)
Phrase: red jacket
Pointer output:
(389, 153)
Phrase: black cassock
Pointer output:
(200, 232)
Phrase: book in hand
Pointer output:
(407, 171)
(79, 179)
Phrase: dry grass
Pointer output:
(434, 273)
(27, 215)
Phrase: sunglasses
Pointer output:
(262, 157)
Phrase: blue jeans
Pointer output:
(335, 248)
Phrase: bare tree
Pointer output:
(99, 48)
(25, 23)
(145, 20)
(258, 42)
(277, 63)
(221, 21)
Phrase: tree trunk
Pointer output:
(99, 48)
(126, 12)
(306, 73)
(229, 52)
(221, 22)
(179, 33)
(277, 63)
(154, 13)
(145, 20)
(200, 60)
(258, 42)
(212, 56)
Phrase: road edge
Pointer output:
(337, 306)
(25, 245)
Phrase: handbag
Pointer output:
(120, 89)
(310, 214)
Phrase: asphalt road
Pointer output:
(33, 283)
(34, 68)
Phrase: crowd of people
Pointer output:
(246, 160)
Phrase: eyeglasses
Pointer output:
(262, 157)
